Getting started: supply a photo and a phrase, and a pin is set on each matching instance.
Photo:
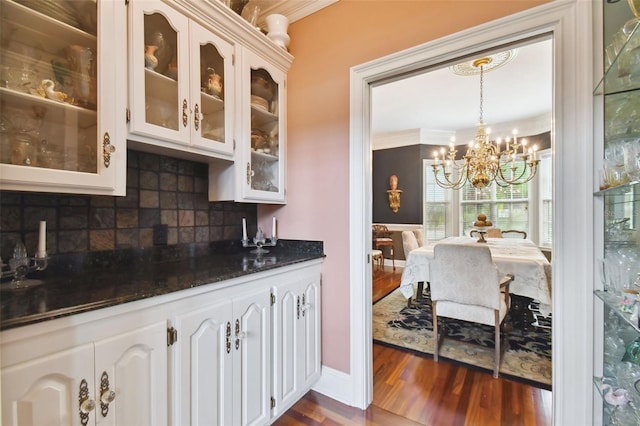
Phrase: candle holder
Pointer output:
(21, 264)
(259, 242)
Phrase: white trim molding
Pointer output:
(568, 22)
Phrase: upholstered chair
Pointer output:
(410, 242)
(419, 237)
(466, 285)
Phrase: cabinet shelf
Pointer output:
(611, 301)
(55, 111)
(617, 190)
(27, 23)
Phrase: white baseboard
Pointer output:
(336, 385)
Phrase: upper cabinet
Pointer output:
(206, 84)
(263, 124)
(182, 89)
(63, 96)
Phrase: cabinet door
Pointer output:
(159, 72)
(296, 325)
(252, 367)
(212, 91)
(46, 391)
(310, 356)
(202, 365)
(134, 366)
(263, 138)
(62, 97)
(287, 338)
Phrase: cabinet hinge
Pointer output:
(273, 299)
(126, 2)
(128, 115)
(172, 336)
(233, 59)
(273, 403)
(234, 144)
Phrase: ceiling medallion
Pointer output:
(488, 63)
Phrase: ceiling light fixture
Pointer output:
(485, 161)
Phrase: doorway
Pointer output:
(569, 24)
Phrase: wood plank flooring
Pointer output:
(414, 390)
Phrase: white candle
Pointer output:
(244, 228)
(273, 233)
(42, 240)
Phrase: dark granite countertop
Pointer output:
(77, 283)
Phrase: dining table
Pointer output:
(520, 257)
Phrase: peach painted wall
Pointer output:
(326, 45)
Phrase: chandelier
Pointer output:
(486, 161)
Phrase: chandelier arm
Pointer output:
(449, 184)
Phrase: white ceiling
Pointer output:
(439, 100)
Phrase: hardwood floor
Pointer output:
(414, 390)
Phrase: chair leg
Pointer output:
(393, 259)
(420, 290)
(436, 341)
(496, 360)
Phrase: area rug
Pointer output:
(527, 347)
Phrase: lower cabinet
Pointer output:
(240, 352)
(222, 361)
(296, 338)
(120, 380)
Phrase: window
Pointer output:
(437, 206)
(546, 200)
(527, 207)
(507, 208)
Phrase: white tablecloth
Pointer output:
(522, 258)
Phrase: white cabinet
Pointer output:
(237, 352)
(222, 361)
(182, 90)
(296, 338)
(258, 174)
(63, 97)
(118, 380)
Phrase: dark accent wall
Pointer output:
(160, 190)
(404, 162)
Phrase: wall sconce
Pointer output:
(394, 194)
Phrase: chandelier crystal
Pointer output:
(486, 161)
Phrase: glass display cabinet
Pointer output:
(265, 129)
(59, 99)
(182, 94)
(617, 291)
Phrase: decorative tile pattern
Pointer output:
(160, 190)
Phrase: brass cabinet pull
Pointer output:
(106, 395)
(107, 149)
(250, 173)
(239, 335)
(185, 116)
(196, 117)
(85, 404)
(305, 305)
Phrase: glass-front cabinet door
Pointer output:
(264, 131)
(212, 91)
(62, 86)
(182, 85)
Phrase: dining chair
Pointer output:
(382, 238)
(491, 233)
(419, 237)
(466, 285)
(410, 242)
(513, 233)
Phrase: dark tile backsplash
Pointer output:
(160, 190)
